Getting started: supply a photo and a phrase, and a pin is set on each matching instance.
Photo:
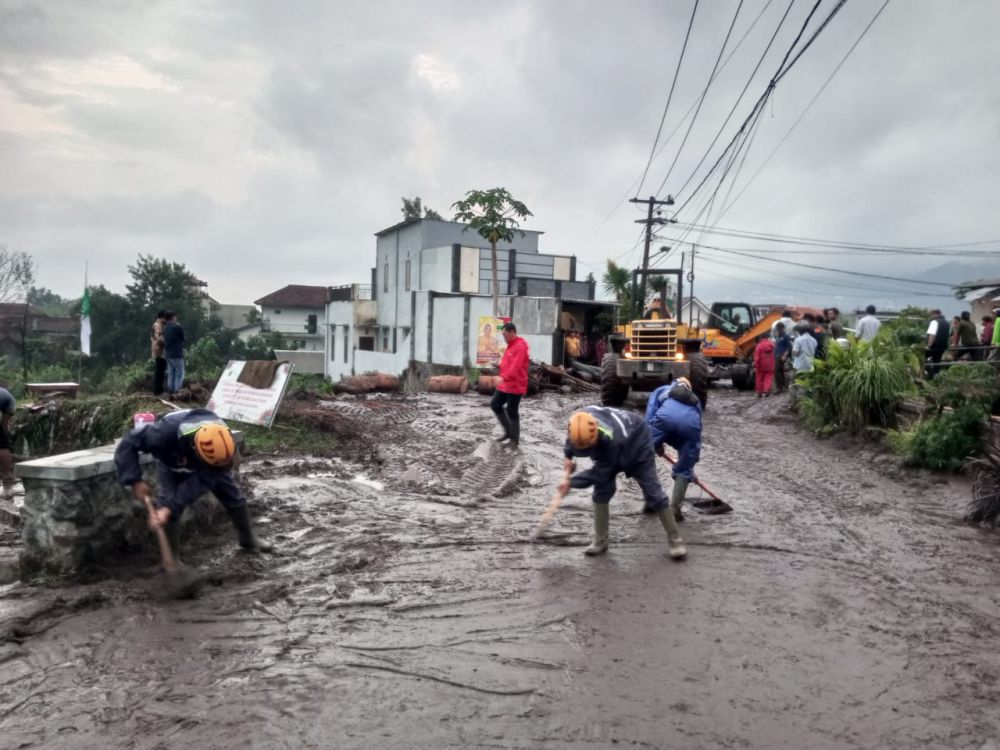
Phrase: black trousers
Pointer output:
(512, 401)
(159, 375)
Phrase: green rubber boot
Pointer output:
(602, 516)
(240, 517)
(677, 497)
(675, 545)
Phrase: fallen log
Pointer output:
(448, 384)
(376, 381)
(487, 384)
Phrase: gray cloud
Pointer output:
(264, 144)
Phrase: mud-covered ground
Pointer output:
(843, 604)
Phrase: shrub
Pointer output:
(942, 443)
(859, 386)
(973, 383)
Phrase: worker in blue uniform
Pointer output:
(674, 417)
(617, 442)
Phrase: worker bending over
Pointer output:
(194, 452)
(616, 441)
(674, 417)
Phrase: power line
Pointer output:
(835, 244)
(757, 108)
(808, 107)
(663, 117)
(739, 99)
(690, 109)
(701, 100)
(785, 262)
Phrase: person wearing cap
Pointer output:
(616, 441)
(195, 453)
(674, 418)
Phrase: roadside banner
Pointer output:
(236, 401)
(490, 345)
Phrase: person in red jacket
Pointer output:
(763, 364)
(513, 385)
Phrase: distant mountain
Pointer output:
(955, 273)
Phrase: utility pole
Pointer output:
(649, 221)
(691, 287)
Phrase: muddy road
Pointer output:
(843, 605)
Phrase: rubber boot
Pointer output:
(172, 530)
(504, 421)
(515, 432)
(602, 515)
(675, 545)
(240, 517)
(677, 497)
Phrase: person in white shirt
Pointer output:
(803, 352)
(786, 320)
(868, 326)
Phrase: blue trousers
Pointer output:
(644, 473)
(177, 491)
(175, 374)
(686, 440)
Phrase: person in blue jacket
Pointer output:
(616, 441)
(674, 417)
(195, 453)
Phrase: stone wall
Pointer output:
(76, 516)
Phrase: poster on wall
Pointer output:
(240, 402)
(490, 345)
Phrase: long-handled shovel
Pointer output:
(550, 512)
(709, 507)
(180, 583)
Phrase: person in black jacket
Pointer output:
(194, 452)
(938, 335)
(616, 441)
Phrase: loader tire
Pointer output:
(613, 391)
(742, 375)
(698, 375)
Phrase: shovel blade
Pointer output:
(712, 507)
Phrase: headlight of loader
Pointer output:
(679, 356)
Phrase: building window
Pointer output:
(366, 343)
(333, 344)
(407, 273)
(311, 324)
(346, 334)
(385, 339)
(385, 277)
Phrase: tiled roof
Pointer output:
(295, 295)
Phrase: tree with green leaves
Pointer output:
(414, 209)
(496, 216)
(158, 284)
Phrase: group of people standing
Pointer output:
(792, 346)
(167, 350)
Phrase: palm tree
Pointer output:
(495, 215)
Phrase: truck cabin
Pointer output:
(733, 318)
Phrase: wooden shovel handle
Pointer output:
(697, 481)
(550, 511)
(167, 556)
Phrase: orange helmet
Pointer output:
(214, 444)
(582, 430)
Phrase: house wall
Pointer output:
(291, 322)
(304, 361)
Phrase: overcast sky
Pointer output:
(263, 143)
